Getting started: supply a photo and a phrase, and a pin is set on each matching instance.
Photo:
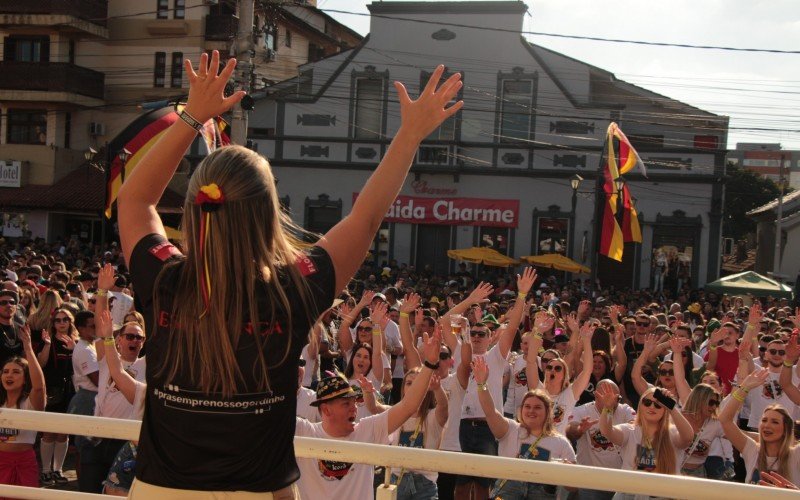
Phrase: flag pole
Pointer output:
(599, 205)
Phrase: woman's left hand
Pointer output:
(206, 87)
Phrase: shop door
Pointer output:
(433, 241)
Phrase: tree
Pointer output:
(744, 191)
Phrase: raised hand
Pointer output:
(422, 116)
(583, 309)
(587, 332)
(435, 383)
(206, 86)
(24, 334)
(678, 344)
(345, 310)
(480, 370)
(650, 343)
(105, 278)
(605, 397)
(366, 385)
(755, 379)
(526, 280)
(744, 350)
(572, 323)
(482, 291)
(543, 322)
(103, 324)
(410, 303)
(378, 314)
(792, 347)
(68, 341)
(45, 336)
(366, 298)
(431, 345)
(756, 315)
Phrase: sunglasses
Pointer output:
(713, 402)
(642, 324)
(779, 352)
(556, 368)
(478, 333)
(444, 356)
(8, 303)
(363, 328)
(33, 277)
(666, 373)
(132, 336)
(62, 320)
(649, 402)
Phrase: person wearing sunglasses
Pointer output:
(652, 443)
(531, 435)
(55, 357)
(10, 344)
(700, 410)
(776, 449)
(774, 391)
(633, 349)
(474, 433)
(557, 383)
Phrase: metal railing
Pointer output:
(576, 476)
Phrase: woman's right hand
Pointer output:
(103, 324)
(206, 88)
(410, 303)
(755, 379)
(422, 116)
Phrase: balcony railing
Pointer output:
(95, 11)
(51, 77)
(221, 27)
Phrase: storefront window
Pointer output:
(27, 126)
(495, 238)
(552, 235)
(671, 263)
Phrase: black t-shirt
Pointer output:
(10, 344)
(632, 351)
(191, 440)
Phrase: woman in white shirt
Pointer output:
(23, 387)
(531, 436)
(651, 443)
(776, 450)
(557, 378)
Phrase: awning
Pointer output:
(752, 283)
(556, 261)
(482, 255)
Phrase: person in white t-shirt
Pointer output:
(774, 390)
(556, 377)
(776, 450)
(363, 334)
(84, 366)
(516, 377)
(651, 443)
(336, 402)
(531, 436)
(593, 448)
(474, 433)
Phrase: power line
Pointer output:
(575, 37)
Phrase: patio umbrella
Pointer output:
(556, 261)
(482, 255)
(752, 283)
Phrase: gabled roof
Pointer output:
(789, 202)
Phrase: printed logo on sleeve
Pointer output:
(331, 470)
(164, 251)
(306, 266)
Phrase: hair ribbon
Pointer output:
(210, 198)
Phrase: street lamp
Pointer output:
(124, 155)
(90, 154)
(575, 182)
(619, 182)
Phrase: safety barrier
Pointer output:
(576, 476)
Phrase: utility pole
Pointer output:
(243, 47)
(776, 265)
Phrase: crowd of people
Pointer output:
(254, 337)
(534, 370)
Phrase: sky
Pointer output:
(756, 90)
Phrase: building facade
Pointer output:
(74, 73)
(498, 172)
(768, 159)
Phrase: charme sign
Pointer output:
(10, 173)
(453, 211)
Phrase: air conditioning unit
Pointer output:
(97, 128)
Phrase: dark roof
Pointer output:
(82, 190)
(448, 7)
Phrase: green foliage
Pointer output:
(744, 191)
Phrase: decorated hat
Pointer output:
(712, 326)
(489, 318)
(694, 308)
(330, 388)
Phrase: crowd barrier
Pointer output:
(576, 476)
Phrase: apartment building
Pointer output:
(74, 73)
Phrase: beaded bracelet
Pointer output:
(108, 340)
(403, 315)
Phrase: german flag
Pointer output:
(140, 136)
(619, 228)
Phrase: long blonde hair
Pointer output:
(48, 303)
(250, 247)
(661, 444)
(786, 443)
(698, 400)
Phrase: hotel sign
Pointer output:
(10, 173)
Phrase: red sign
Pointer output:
(453, 211)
